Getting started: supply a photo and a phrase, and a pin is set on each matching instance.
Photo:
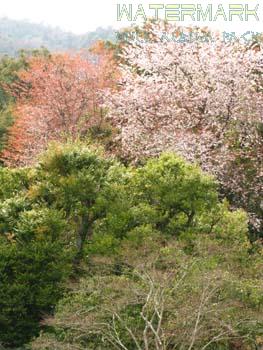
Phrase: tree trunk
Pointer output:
(85, 229)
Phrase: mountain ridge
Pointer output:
(16, 35)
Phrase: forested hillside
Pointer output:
(131, 195)
(17, 35)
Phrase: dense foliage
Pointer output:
(126, 172)
(132, 229)
(42, 214)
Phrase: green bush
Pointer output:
(13, 181)
(35, 259)
(167, 193)
(31, 277)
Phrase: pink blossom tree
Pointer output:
(200, 98)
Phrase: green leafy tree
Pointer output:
(34, 260)
(73, 178)
(42, 212)
(167, 194)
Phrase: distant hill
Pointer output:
(16, 35)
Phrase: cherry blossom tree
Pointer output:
(197, 95)
(56, 97)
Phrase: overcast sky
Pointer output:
(80, 16)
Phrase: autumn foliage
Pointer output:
(57, 96)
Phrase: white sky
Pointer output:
(80, 16)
